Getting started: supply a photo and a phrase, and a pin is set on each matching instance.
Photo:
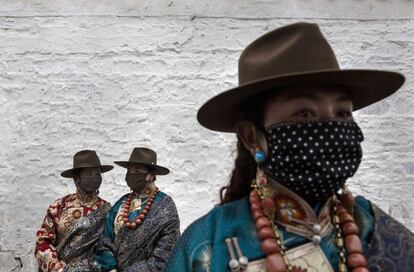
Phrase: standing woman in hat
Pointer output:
(142, 227)
(286, 207)
(74, 223)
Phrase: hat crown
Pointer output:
(293, 55)
(295, 48)
(143, 154)
(86, 158)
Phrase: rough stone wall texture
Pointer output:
(111, 76)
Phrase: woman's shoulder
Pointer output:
(103, 202)
(363, 203)
(61, 201)
(163, 195)
(219, 216)
(164, 199)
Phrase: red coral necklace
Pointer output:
(263, 210)
(141, 216)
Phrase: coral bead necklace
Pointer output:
(144, 211)
(263, 209)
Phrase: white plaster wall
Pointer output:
(111, 76)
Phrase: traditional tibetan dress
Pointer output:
(145, 246)
(69, 233)
(228, 233)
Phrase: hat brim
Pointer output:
(365, 87)
(156, 169)
(69, 173)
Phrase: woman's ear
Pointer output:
(76, 179)
(246, 135)
(150, 177)
(251, 138)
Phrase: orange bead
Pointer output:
(345, 218)
(255, 203)
(133, 225)
(268, 203)
(350, 228)
(269, 246)
(347, 199)
(128, 224)
(141, 216)
(255, 206)
(257, 214)
(360, 269)
(341, 210)
(265, 233)
(353, 244)
(275, 263)
(138, 221)
(254, 196)
(125, 219)
(262, 222)
(144, 211)
(356, 260)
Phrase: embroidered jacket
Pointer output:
(60, 219)
(387, 245)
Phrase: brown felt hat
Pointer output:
(85, 159)
(293, 55)
(144, 157)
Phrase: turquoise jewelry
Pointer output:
(259, 156)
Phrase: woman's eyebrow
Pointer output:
(309, 96)
(343, 98)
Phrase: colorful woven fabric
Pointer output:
(69, 231)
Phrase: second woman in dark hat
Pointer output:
(143, 226)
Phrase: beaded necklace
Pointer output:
(141, 216)
(263, 209)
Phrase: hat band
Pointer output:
(86, 165)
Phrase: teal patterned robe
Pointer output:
(387, 245)
(146, 248)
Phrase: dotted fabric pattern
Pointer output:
(313, 159)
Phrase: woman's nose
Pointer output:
(326, 113)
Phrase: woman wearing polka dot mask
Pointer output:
(286, 207)
(312, 144)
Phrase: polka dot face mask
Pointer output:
(313, 159)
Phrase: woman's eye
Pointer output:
(344, 113)
(305, 114)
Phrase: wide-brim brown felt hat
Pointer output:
(293, 55)
(85, 159)
(143, 156)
